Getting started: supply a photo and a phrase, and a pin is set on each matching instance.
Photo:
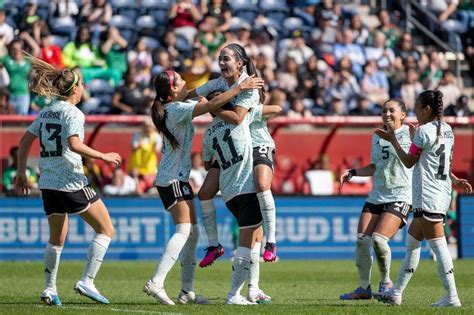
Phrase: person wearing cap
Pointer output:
(460, 109)
(297, 49)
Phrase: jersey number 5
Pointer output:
(55, 136)
(384, 152)
(236, 158)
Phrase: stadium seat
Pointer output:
(307, 18)
(275, 10)
(12, 12)
(63, 27)
(99, 87)
(43, 9)
(147, 26)
(151, 43)
(126, 8)
(245, 10)
(182, 45)
(59, 40)
(158, 9)
(125, 26)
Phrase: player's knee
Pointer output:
(363, 240)
(183, 229)
(379, 242)
(107, 230)
(412, 243)
(260, 187)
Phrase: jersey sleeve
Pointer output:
(247, 99)
(206, 149)
(74, 124)
(422, 138)
(209, 87)
(181, 112)
(34, 127)
(255, 114)
(373, 149)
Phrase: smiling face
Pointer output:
(179, 87)
(230, 65)
(393, 115)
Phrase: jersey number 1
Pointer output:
(442, 160)
(55, 136)
(235, 157)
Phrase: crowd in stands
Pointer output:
(317, 57)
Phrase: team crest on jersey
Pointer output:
(186, 190)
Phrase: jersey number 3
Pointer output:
(236, 158)
(55, 131)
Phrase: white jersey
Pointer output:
(60, 168)
(231, 145)
(392, 180)
(431, 177)
(175, 164)
(247, 99)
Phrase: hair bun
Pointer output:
(438, 94)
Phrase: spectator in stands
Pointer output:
(337, 107)
(4, 77)
(162, 62)
(9, 174)
(141, 59)
(443, 9)
(264, 69)
(244, 33)
(325, 37)
(197, 69)
(433, 72)
(6, 31)
(288, 77)
(319, 178)
(210, 36)
(97, 15)
(113, 48)
(277, 97)
(51, 53)
(5, 107)
(351, 50)
(329, 11)
(198, 173)
(64, 11)
(296, 49)
(313, 80)
(384, 56)
(363, 107)
(390, 30)
(405, 48)
(169, 43)
(38, 102)
(146, 144)
(450, 89)
(18, 68)
(343, 86)
(30, 22)
(184, 16)
(374, 84)
(298, 110)
(220, 10)
(360, 32)
(460, 109)
(410, 90)
(131, 97)
(122, 184)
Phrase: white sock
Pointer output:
(364, 259)
(209, 221)
(240, 269)
(52, 254)
(267, 207)
(188, 260)
(444, 263)
(95, 256)
(254, 271)
(409, 264)
(383, 255)
(171, 253)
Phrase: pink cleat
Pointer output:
(213, 252)
(270, 252)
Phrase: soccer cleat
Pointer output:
(446, 301)
(389, 297)
(213, 252)
(385, 286)
(158, 293)
(50, 298)
(90, 291)
(358, 294)
(258, 296)
(270, 253)
(191, 297)
(238, 300)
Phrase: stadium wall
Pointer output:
(466, 226)
(307, 228)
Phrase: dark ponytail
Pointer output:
(163, 86)
(434, 99)
(241, 54)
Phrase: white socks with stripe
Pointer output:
(444, 263)
(95, 256)
(188, 260)
(267, 207)
(383, 254)
(409, 264)
(364, 259)
(254, 272)
(240, 269)
(171, 253)
(52, 255)
(209, 221)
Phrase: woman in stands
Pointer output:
(430, 153)
(236, 66)
(387, 205)
(65, 189)
(173, 116)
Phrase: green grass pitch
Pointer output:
(297, 287)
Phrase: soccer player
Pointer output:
(236, 66)
(231, 145)
(387, 205)
(64, 187)
(430, 153)
(172, 116)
